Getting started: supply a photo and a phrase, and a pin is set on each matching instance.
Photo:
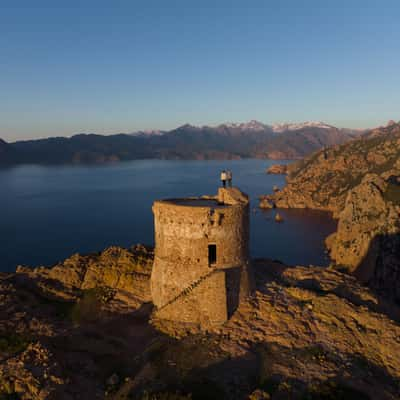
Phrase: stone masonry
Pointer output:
(201, 268)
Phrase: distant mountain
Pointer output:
(294, 127)
(253, 126)
(147, 133)
(6, 153)
(246, 126)
(225, 141)
(3, 146)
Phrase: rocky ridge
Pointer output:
(308, 332)
(127, 271)
(359, 183)
(323, 180)
(225, 141)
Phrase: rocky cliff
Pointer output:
(127, 271)
(323, 180)
(367, 241)
(359, 182)
(308, 332)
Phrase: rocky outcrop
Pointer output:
(323, 180)
(33, 374)
(266, 202)
(367, 241)
(359, 182)
(126, 270)
(65, 329)
(277, 169)
(307, 332)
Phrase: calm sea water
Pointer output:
(49, 213)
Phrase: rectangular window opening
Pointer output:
(212, 254)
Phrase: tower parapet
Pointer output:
(201, 266)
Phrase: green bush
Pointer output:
(11, 342)
(7, 391)
(333, 391)
(89, 306)
(189, 390)
(205, 390)
(165, 396)
(392, 193)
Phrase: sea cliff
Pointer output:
(359, 182)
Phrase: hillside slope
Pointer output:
(79, 331)
(360, 183)
(323, 180)
(6, 153)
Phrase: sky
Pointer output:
(122, 66)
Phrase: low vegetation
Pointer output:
(331, 390)
(393, 193)
(11, 342)
(164, 396)
(7, 391)
(89, 306)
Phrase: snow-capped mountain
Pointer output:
(252, 125)
(283, 127)
(251, 139)
(255, 126)
(148, 132)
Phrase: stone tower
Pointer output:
(201, 267)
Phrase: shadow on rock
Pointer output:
(380, 268)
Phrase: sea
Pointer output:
(48, 213)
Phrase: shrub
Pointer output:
(11, 342)
(7, 391)
(392, 193)
(205, 390)
(165, 396)
(333, 391)
(88, 308)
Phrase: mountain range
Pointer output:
(226, 141)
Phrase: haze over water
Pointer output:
(49, 213)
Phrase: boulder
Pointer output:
(266, 203)
(278, 169)
(278, 217)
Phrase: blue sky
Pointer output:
(120, 66)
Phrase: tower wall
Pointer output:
(184, 230)
(204, 306)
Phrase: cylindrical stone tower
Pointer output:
(201, 265)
